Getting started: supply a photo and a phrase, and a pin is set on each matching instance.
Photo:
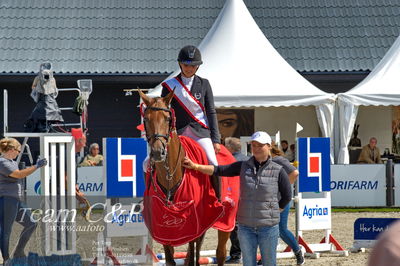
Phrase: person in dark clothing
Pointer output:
(194, 103)
(262, 182)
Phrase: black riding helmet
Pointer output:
(190, 55)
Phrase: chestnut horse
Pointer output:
(167, 154)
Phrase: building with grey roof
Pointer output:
(125, 44)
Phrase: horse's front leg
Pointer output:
(189, 260)
(199, 244)
(221, 249)
(169, 255)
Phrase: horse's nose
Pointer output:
(158, 155)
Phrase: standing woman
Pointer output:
(11, 206)
(264, 191)
(285, 234)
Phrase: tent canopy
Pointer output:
(244, 69)
(380, 87)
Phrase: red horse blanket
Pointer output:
(193, 210)
(229, 193)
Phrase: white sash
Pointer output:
(192, 106)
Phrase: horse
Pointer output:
(167, 154)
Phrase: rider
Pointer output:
(194, 104)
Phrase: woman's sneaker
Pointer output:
(299, 257)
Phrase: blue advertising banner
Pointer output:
(314, 164)
(370, 228)
(124, 170)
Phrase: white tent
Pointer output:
(245, 70)
(380, 87)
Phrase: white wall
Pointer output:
(272, 119)
(375, 121)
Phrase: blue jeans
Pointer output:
(11, 209)
(284, 232)
(264, 237)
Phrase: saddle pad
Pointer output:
(193, 210)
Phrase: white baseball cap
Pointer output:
(261, 137)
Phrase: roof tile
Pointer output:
(143, 36)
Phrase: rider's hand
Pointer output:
(217, 148)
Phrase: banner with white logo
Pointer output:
(358, 185)
(314, 214)
(314, 164)
(124, 170)
(125, 220)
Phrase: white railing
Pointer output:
(58, 189)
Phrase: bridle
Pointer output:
(156, 136)
(171, 126)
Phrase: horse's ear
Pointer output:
(167, 99)
(145, 98)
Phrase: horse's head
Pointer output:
(158, 122)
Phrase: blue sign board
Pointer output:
(314, 164)
(124, 170)
(370, 228)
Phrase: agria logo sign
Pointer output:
(124, 157)
(38, 188)
(314, 164)
(316, 211)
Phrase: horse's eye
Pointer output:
(145, 119)
(169, 119)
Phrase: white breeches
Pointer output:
(205, 143)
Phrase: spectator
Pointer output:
(370, 153)
(11, 207)
(262, 182)
(233, 145)
(284, 233)
(94, 158)
(287, 152)
(293, 149)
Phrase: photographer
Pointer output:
(44, 93)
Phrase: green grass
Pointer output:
(370, 209)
